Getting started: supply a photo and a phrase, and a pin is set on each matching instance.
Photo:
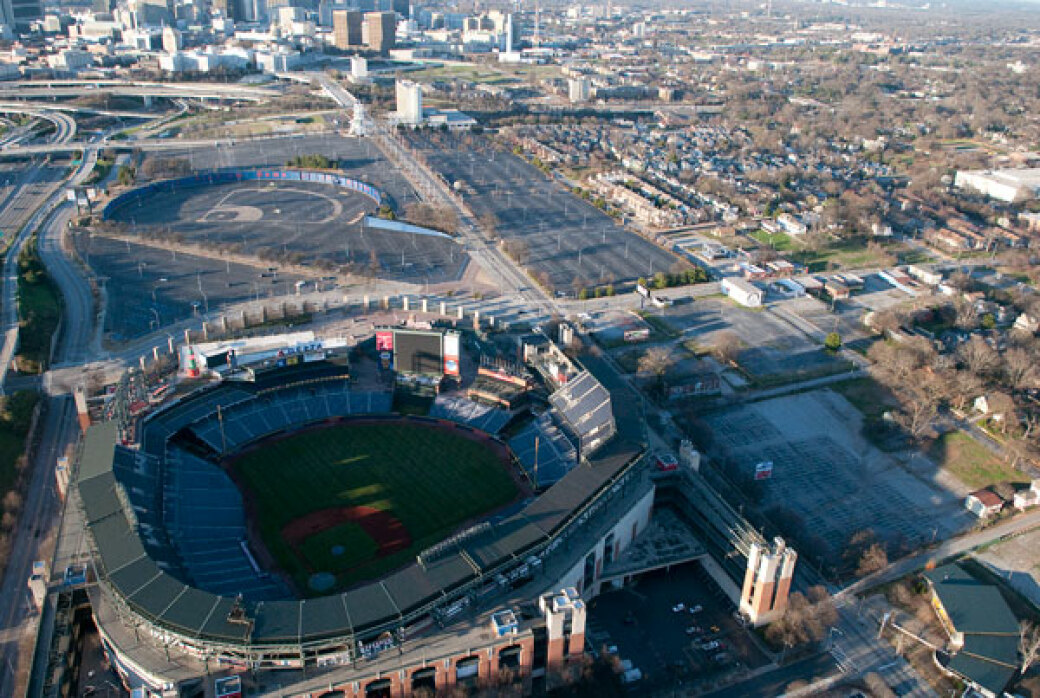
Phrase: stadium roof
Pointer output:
(376, 606)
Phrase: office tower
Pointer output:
(382, 30)
(346, 28)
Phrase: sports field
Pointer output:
(354, 501)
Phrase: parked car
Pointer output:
(694, 630)
(709, 646)
(696, 609)
(679, 607)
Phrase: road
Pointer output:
(35, 526)
(64, 125)
(9, 314)
(949, 548)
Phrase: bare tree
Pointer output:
(489, 222)
(873, 559)
(919, 409)
(967, 317)
(1029, 644)
(978, 357)
(1020, 369)
(656, 361)
(727, 347)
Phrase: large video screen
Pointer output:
(416, 352)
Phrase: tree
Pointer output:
(832, 342)
(873, 559)
(126, 175)
(489, 222)
(978, 356)
(1029, 644)
(1020, 369)
(727, 347)
(656, 361)
(919, 409)
(967, 318)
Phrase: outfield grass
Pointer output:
(970, 462)
(431, 479)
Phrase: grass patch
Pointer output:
(659, 325)
(15, 417)
(432, 480)
(775, 380)
(970, 462)
(781, 242)
(867, 395)
(101, 169)
(39, 310)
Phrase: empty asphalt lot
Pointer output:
(568, 240)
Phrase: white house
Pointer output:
(743, 292)
(1028, 498)
(983, 503)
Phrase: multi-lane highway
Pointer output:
(9, 315)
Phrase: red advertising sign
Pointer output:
(384, 341)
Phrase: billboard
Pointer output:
(385, 348)
(764, 470)
(418, 352)
(384, 340)
(451, 355)
(637, 335)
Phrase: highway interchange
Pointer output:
(36, 202)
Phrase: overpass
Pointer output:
(73, 109)
(144, 144)
(55, 89)
(64, 125)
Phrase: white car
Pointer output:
(709, 646)
(679, 607)
(696, 609)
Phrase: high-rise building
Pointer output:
(409, 103)
(171, 40)
(325, 13)
(359, 67)
(346, 28)
(578, 89)
(23, 13)
(382, 30)
(767, 582)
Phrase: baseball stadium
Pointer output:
(275, 516)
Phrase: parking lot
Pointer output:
(357, 157)
(149, 288)
(821, 462)
(305, 222)
(769, 344)
(670, 646)
(568, 241)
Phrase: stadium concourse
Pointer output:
(179, 593)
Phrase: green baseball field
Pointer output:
(345, 503)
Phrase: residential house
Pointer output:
(983, 503)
